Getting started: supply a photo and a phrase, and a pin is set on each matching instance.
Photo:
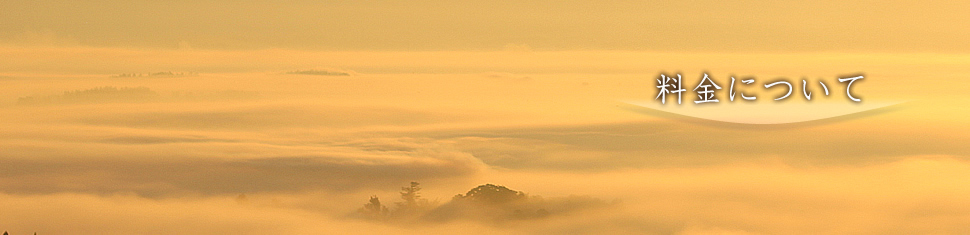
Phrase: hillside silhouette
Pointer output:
(319, 72)
(485, 203)
(93, 95)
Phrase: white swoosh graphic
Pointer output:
(761, 113)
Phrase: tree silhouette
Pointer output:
(413, 203)
(492, 194)
(410, 195)
(374, 209)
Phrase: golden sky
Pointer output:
(736, 26)
(259, 117)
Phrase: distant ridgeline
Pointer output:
(110, 94)
(319, 72)
(94, 95)
(487, 203)
(156, 75)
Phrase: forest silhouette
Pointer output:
(485, 203)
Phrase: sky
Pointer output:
(698, 26)
(207, 117)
